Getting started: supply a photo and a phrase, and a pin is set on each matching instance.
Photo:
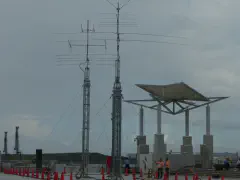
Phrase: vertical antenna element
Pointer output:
(16, 148)
(5, 150)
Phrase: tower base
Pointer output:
(159, 147)
(142, 148)
(206, 151)
(187, 151)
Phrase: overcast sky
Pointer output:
(45, 100)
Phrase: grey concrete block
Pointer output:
(143, 149)
(159, 147)
(206, 156)
(187, 140)
(208, 139)
(141, 140)
(187, 149)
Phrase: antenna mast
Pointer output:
(86, 110)
(16, 148)
(5, 150)
(86, 100)
(117, 112)
(117, 108)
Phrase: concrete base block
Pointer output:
(187, 140)
(208, 139)
(187, 151)
(206, 151)
(206, 156)
(143, 149)
(141, 140)
(159, 147)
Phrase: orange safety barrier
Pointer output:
(126, 172)
(27, 172)
(62, 176)
(108, 171)
(48, 176)
(196, 176)
(156, 175)
(37, 174)
(102, 172)
(165, 177)
(141, 173)
(33, 173)
(42, 177)
(56, 176)
(176, 176)
(20, 171)
(134, 174)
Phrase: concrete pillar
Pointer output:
(187, 123)
(159, 147)
(142, 147)
(208, 120)
(159, 119)
(187, 148)
(141, 114)
(207, 146)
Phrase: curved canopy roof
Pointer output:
(173, 92)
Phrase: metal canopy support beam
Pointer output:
(149, 107)
(190, 105)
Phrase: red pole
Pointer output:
(71, 177)
(186, 177)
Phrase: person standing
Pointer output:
(160, 165)
(126, 162)
(167, 167)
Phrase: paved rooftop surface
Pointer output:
(13, 177)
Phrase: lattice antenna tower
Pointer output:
(86, 97)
